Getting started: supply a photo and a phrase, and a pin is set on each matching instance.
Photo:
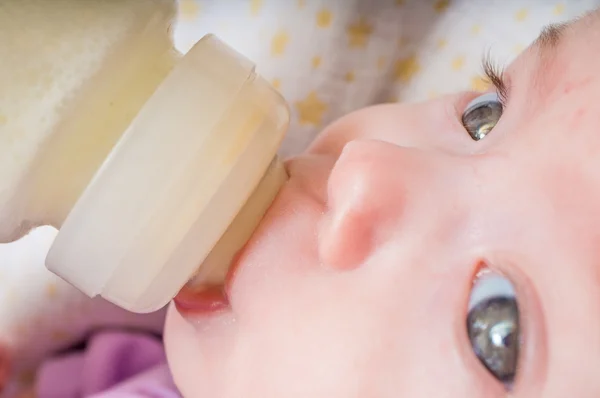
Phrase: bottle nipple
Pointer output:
(175, 189)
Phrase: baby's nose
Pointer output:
(374, 190)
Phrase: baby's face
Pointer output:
(358, 282)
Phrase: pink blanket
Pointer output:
(114, 364)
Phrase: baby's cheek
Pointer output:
(297, 328)
(384, 329)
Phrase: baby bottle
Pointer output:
(155, 167)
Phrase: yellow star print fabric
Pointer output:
(330, 57)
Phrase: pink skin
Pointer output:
(356, 284)
(5, 365)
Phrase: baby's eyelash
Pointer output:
(494, 73)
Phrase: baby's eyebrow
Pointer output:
(544, 50)
(550, 37)
(548, 42)
(546, 45)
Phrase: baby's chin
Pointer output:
(270, 286)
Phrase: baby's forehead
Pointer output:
(563, 60)
(554, 90)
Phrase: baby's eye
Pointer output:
(481, 115)
(493, 326)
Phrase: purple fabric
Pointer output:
(113, 365)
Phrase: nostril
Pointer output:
(345, 239)
(365, 199)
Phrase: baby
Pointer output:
(316, 304)
(365, 278)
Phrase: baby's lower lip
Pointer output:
(198, 300)
(208, 299)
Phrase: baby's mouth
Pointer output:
(209, 290)
(196, 299)
(202, 300)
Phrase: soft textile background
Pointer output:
(329, 57)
